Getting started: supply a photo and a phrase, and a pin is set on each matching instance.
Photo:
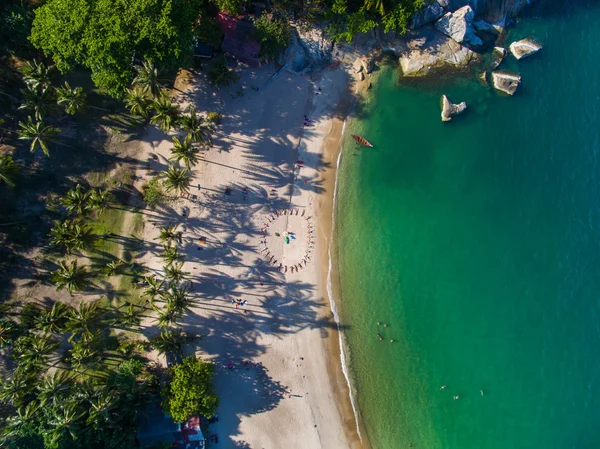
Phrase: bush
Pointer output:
(214, 117)
(191, 391)
(273, 33)
(231, 6)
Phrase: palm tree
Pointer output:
(82, 355)
(40, 100)
(132, 316)
(137, 102)
(177, 299)
(8, 331)
(184, 151)
(54, 387)
(174, 273)
(220, 75)
(168, 234)
(39, 134)
(169, 341)
(36, 74)
(77, 201)
(102, 405)
(82, 320)
(178, 179)
(100, 199)
(36, 351)
(67, 419)
(23, 416)
(154, 288)
(14, 389)
(71, 235)
(147, 78)
(72, 277)
(171, 254)
(165, 112)
(114, 267)
(54, 319)
(73, 99)
(197, 127)
(8, 170)
(166, 319)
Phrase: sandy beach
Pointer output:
(255, 231)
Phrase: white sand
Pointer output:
(286, 396)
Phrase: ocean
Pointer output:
(475, 245)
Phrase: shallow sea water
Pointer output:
(478, 243)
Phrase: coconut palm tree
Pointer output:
(53, 319)
(41, 101)
(8, 170)
(177, 299)
(24, 415)
(101, 408)
(131, 316)
(153, 288)
(171, 254)
(174, 273)
(165, 112)
(169, 234)
(220, 75)
(166, 318)
(197, 127)
(14, 389)
(36, 74)
(137, 102)
(73, 99)
(178, 179)
(77, 201)
(114, 267)
(36, 351)
(147, 78)
(54, 387)
(72, 277)
(8, 331)
(66, 418)
(39, 134)
(169, 341)
(71, 235)
(82, 320)
(100, 199)
(183, 150)
(82, 355)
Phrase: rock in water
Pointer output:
(525, 47)
(449, 110)
(428, 50)
(459, 26)
(498, 56)
(506, 82)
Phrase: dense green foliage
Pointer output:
(273, 33)
(106, 35)
(191, 390)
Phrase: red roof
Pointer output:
(238, 38)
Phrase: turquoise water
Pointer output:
(478, 243)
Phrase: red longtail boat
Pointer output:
(362, 140)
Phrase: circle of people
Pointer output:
(288, 236)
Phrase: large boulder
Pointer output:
(426, 51)
(458, 25)
(525, 47)
(497, 57)
(309, 50)
(428, 14)
(449, 110)
(506, 82)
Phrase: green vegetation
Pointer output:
(191, 390)
(105, 35)
(273, 33)
(220, 75)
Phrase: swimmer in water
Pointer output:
(481, 391)
(379, 337)
(456, 397)
(442, 387)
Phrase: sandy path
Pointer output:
(284, 396)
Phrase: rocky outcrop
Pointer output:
(449, 110)
(458, 25)
(506, 82)
(310, 50)
(493, 11)
(426, 51)
(428, 14)
(497, 57)
(524, 48)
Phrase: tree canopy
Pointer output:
(191, 390)
(106, 36)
